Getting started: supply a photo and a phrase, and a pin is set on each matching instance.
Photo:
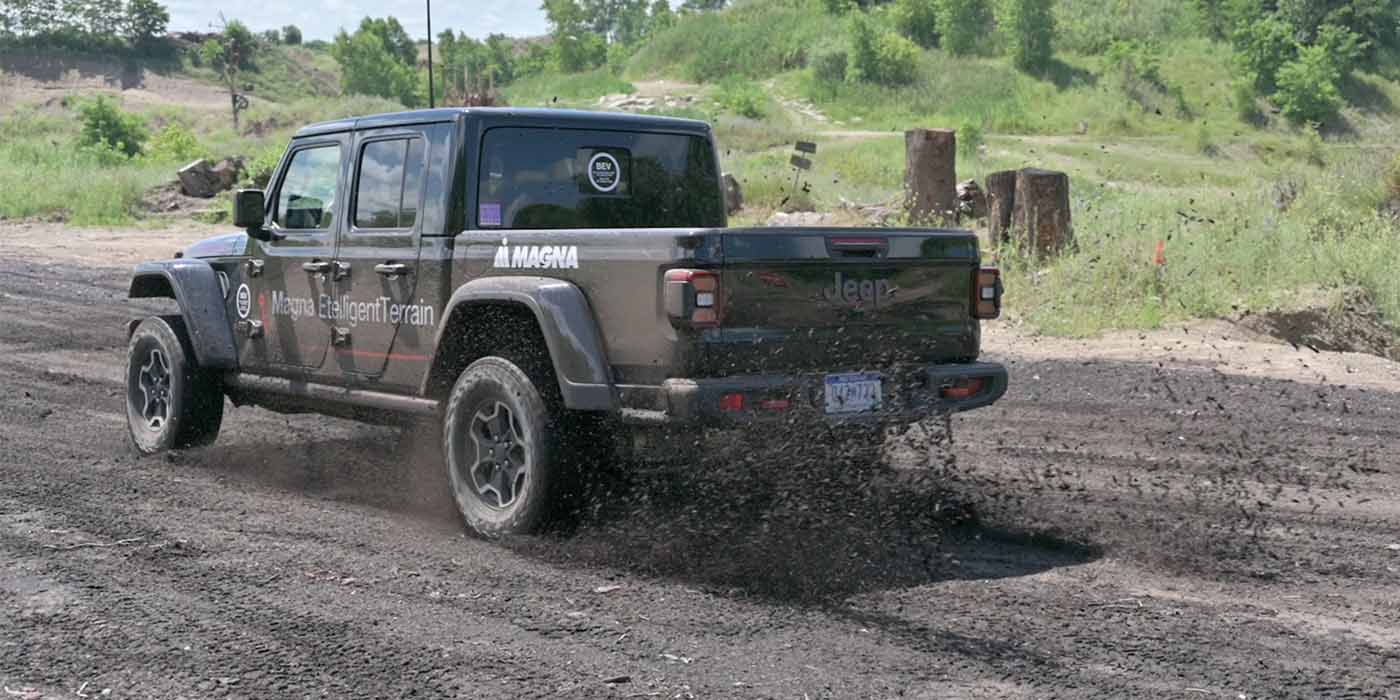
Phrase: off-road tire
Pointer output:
(506, 479)
(170, 402)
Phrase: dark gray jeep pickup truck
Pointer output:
(521, 277)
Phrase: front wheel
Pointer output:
(170, 402)
(501, 450)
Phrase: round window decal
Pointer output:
(244, 301)
(603, 172)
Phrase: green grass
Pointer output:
(565, 89)
(45, 174)
(285, 74)
(752, 39)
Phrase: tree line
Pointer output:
(103, 24)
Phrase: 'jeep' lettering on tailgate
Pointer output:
(849, 291)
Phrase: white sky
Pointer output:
(319, 19)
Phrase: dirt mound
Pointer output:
(1354, 325)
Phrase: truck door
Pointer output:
(293, 273)
(376, 267)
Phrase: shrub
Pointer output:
(881, 57)
(1245, 100)
(970, 139)
(1028, 28)
(107, 127)
(1343, 46)
(829, 68)
(961, 23)
(260, 168)
(1392, 178)
(618, 54)
(175, 143)
(1307, 87)
(918, 20)
(1263, 47)
(741, 97)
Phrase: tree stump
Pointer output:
(1001, 199)
(1040, 219)
(930, 174)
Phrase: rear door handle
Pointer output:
(317, 266)
(391, 269)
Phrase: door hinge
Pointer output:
(249, 329)
(340, 337)
(254, 268)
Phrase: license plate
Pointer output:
(853, 393)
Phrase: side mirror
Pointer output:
(249, 210)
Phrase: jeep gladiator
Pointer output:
(509, 275)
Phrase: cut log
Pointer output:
(198, 180)
(930, 175)
(1040, 220)
(1001, 198)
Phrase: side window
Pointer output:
(306, 199)
(389, 180)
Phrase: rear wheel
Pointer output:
(501, 449)
(170, 402)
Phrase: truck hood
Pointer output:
(218, 246)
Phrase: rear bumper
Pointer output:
(910, 394)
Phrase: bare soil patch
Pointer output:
(1184, 513)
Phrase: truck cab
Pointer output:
(514, 276)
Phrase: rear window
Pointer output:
(567, 178)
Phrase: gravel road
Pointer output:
(1187, 513)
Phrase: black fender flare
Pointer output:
(570, 332)
(195, 286)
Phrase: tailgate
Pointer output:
(829, 298)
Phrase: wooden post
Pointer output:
(1041, 218)
(930, 174)
(1001, 198)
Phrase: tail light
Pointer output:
(963, 390)
(692, 297)
(986, 293)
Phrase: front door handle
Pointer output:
(319, 267)
(391, 269)
(342, 270)
(254, 268)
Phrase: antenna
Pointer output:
(430, 55)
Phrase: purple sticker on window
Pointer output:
(489, 215)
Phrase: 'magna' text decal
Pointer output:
(536, 257)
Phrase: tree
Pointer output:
(880, 56)
(368, 66)
(575, 48)
(99, 18)
(1262, 47)
(661, 19)
(291, 35)
(1028, 28)
(392, 35)
(1307, 87)
(960, 23)
(230, 52)
(918, 20)
(145, 22)
(703, 5)
(617, 20)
